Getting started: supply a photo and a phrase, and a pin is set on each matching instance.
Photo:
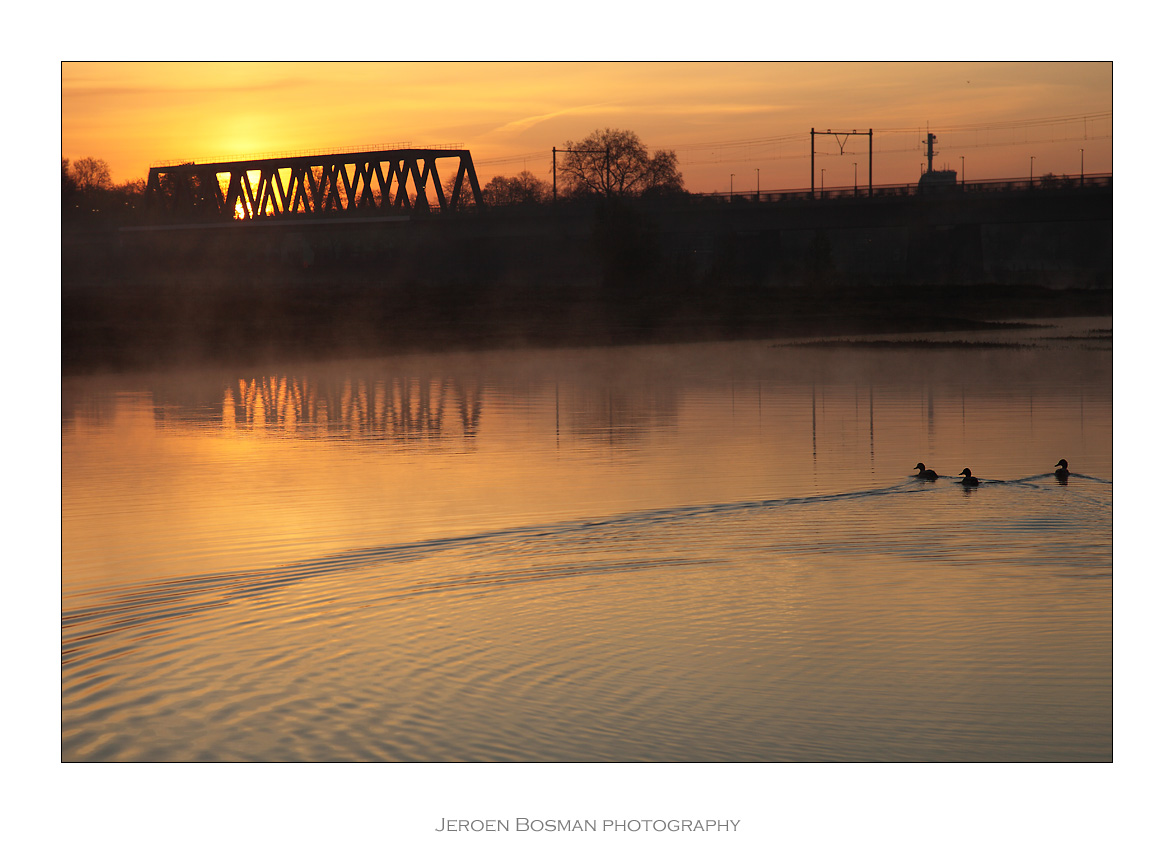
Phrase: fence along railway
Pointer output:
(364, 183)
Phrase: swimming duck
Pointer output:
(926, 473)
(967, 480)
(1062, 469)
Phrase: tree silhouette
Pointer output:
(88, 195)
(525, 188)
(663, 177)
(90, 174)
(615, 162)
(465, 200)
(68, 184)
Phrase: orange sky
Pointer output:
(751, 120)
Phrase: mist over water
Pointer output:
(703, 552)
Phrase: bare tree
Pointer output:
(466, 200)
(68, 184)
(91, 174)
(132, 190)
(663, 177)
(525, 188)
(615, 162)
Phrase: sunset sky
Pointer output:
(751, 120)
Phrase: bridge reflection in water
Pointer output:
(406, 409)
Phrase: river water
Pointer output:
(710, 552)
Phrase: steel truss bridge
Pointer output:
(367, 183)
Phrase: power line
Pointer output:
(505, 160)
(971, 127)
(743, 142)
(759, 148)
(916, 148)
(1032, 141)
(1019, 124)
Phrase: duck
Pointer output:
(926, 473)
(967, 479)
(1062, 469)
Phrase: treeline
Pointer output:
(89, 195)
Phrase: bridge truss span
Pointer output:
(369, 183)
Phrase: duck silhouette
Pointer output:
(1062, 469)
(926, 473)
(967, 479)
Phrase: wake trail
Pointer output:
(178, 595)
(108, 610)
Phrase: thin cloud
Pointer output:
(717, 108)
(529, 122)
(85, 91)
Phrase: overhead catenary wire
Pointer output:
(773, 147)
(949, 129)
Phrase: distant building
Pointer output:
(935, 181)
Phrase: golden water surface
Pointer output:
(707, 552)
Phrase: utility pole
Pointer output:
(812, 161)
(841, 143)
(554, 166)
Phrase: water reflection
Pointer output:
(718, 552)
(610, 411)
(165, 471)
(617, 416)
(619, 396)
(403, 409)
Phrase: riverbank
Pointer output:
(150, 325)
(602, 273)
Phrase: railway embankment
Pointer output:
(581, 273)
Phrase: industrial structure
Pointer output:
(398, 180)
(931, 179)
